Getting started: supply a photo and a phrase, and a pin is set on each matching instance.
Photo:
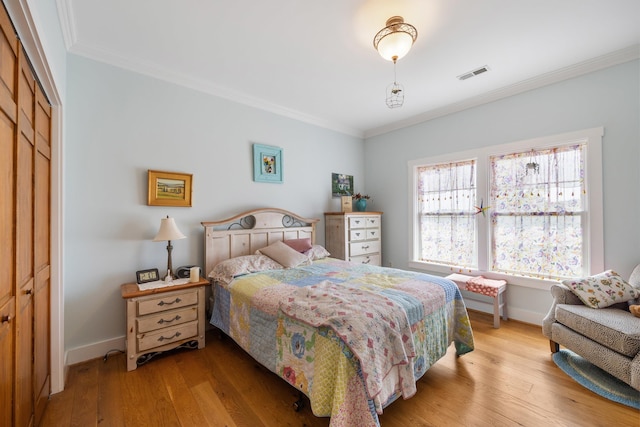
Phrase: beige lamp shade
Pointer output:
(168, 231)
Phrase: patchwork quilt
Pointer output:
(352, 337)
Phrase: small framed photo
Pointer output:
(341, 184)
(169, 189)
(150, 275)
(267, 163)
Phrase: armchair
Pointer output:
(607, 337)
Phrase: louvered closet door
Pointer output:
(42, 254)
(25, 244)
(25, 200)
(8, 129)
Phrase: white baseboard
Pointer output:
(519, 314)
(93, 351)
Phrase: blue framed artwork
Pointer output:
(267, 163)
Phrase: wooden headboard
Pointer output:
(247, 232)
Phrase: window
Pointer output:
(446, 198)
(528, 210)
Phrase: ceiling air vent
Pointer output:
(473, 73)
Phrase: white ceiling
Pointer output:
(315, 61)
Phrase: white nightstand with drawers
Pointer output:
(162, 319)
(354, 236)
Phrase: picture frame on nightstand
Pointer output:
(149, 275)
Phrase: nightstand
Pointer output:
(162, 319)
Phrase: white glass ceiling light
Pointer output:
(395, 40)
(392, 43)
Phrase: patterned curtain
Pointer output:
(446, 197)
(537, 209)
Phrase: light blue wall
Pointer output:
(120, 124)
(609, 98)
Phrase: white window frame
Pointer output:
(594, 238)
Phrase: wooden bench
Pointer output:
(495, 289)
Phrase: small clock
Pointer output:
(150, 275)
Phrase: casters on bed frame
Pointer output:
(298, 404)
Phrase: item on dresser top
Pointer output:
(184, 272)
(149, 275)
(168, 232)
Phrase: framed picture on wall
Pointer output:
(169, 189)
(341, 184)
(267, 164)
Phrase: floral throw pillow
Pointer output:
(602, 290)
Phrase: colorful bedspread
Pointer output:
(333, 368)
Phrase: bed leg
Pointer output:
(299, 404)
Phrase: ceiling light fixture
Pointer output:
(395, 40)
(392, 43)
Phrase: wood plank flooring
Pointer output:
(508, 380)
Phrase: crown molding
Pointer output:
(155, 71)
(67, 23)
(605, 61)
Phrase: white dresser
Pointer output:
(354, 236)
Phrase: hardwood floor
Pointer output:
(509, 379)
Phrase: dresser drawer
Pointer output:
(357, 222)
(373, 234)
(167, 302)
(363, 248)
(357, 235)
(167, 336)
(167, 319)
(373, 259)
(373, 221)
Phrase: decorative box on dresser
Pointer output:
(354, 236)
(162, 319)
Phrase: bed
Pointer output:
(352, 337)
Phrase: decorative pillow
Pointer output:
(283, 254)
(225, 271)
(317, 252)
(300, 245)
(602, 290)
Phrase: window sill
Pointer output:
(444, 270)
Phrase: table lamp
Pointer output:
(168, 231)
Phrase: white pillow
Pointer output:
(226, 270)
(317, 252)
(602, 290)
(285, 255)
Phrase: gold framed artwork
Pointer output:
(169, 189)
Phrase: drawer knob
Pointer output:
(162, 321)
(6, 319)
(162, 338)
(161, 303)
(365, 246)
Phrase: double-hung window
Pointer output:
(530, 209)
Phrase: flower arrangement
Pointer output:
(359, 196)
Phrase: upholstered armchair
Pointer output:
(608, 337)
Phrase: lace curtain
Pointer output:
(537, 206)
(446, 198)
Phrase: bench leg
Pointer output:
(496, 311)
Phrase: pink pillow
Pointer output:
(300, 245)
